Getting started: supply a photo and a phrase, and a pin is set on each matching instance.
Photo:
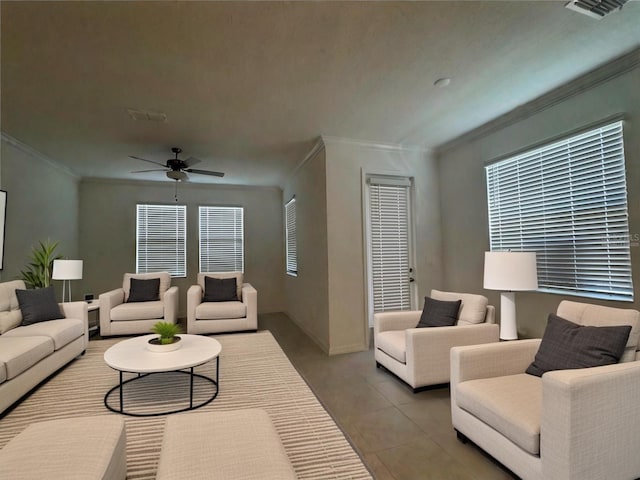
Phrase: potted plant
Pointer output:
(38, 273)
(168, 339)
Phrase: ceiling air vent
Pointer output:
(595, 8)
(147, 115)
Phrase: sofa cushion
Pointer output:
(10, 316)
(20, 353)
(165, 282)
(138, 311)
(568, 345)
(220, 310)
(62, 331)
(394, 344)
(3, 371)
(220, 289)
(473, 308)
(144, 290)
(38, 305)
(9, 320)
(511, 405)
(600, 316)
(439, 313)
(237, 275)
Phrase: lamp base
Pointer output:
(508, 325)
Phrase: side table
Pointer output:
(94, 306)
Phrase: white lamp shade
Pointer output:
(510, 271)
(67, 270)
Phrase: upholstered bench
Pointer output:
(84, 448)
(236, 444)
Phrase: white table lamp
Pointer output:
(67, 270)
(509, 272)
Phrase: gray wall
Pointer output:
(346, 162)
(464, 203)
(42, 203)
(108, 221)
(306, 295)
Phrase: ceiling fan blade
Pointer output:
(204, 172)
(149, 161)
(191, 161)
(151, 170)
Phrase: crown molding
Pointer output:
(598, 76)
(28, 150)
(396, 147)
(168, 184)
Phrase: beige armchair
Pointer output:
(222, 316)
(420, 356)
(579, 424)
(120, 317)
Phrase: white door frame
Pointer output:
(366, 225)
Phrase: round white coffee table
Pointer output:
(132, 356)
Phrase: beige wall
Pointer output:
(345, 163)
(306, 295)
(463, 197)
(42, 203)
(108, 221)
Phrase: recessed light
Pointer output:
(442, 82)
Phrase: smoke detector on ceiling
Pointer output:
(595, 8)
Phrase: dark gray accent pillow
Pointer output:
(439, 313)
(144, 290)
(220, 289)
(567, 345)
(38, 305)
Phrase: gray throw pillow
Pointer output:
(144, 290)
(220, 289)
(439, 313)
(38, 305)
(567, 345)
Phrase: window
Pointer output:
(390, 243)
(161, 239)
(221, 239)
(291, 241)
(567, 201)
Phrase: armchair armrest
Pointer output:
(108, 300)
(194, 298)
(80, 311)
(402, 320)
(491, 360)
(590, 422)
(427, 349)
(250, 299)
(171, 304)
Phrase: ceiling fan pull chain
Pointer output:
(176, 194)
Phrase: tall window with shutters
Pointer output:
(389, 243)
(161, 239)
(221, 239)
(567, 201)
(291, 243)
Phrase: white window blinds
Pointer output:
(221, 239)
(389, 224)
(291, 241)
(161, 238)
(567, 201)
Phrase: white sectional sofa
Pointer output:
(29, 354)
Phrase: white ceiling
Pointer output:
(249, 86)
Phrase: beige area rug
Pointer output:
(254, 372)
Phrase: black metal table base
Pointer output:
(190, 372)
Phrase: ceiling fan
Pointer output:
(177, 169)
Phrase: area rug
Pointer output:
(254, 373)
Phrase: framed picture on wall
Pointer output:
(3, 216)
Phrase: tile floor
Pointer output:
(400, 435)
